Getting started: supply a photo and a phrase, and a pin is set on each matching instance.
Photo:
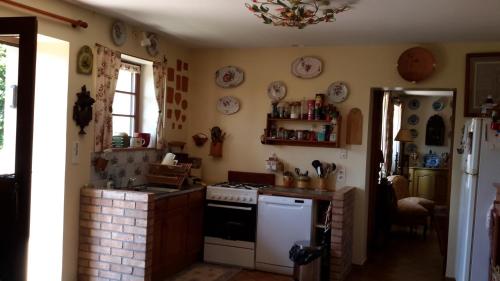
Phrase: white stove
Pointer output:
(234, 192)
(231, 223)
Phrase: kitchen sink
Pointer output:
(155, 189)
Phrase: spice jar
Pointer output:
(294, 110)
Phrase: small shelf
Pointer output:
(271, 122)
(298, 120)
(300, 142)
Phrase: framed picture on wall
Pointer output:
(482, 79)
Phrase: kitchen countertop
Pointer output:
(298, 192)
(157, 193)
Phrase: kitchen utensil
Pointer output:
(145, 136)
(297, 171)
(317, 166)
(354, 127)
(303, 181)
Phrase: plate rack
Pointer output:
(173, 175)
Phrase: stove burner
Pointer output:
(241, 185)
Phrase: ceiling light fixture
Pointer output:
(294, 13)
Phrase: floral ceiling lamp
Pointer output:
(295, 13)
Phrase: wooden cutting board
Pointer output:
(354, 127)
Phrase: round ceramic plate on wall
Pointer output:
(337, 92)
(413, 104)
(85, 60)
(438, 105)
(276, 91)
(229, 77)
(119, 33)
(228, 105)
(307, 67)
(413, 119)
(414, 133)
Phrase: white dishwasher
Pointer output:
(281, 221)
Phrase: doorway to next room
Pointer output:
(410, 184)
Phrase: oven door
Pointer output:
(230, 221)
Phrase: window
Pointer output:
(126, 100)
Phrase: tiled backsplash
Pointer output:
(124, 164)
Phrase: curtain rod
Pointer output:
(74, 23)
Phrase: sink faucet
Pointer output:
(130, 182)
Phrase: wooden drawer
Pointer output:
(176, 202)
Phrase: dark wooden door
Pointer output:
(18, 44)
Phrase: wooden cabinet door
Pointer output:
(424, 185)
(174, 246)
(194, 245)
(431, 184)
(157, 268)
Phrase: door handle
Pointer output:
(16, 200)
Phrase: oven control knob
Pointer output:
(243, 199)
(225, 197)
(219, 197)
(237, 198)
(250, 199)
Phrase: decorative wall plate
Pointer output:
(229, 76)
(416, 64)
(153, 48)
(276, 91)
(119, 33)
(413, 104)
(337, 92)
(413, 119)
(414, 133)
(438, 105)
(411, 147)
(228, 105)
(85, 60)
(307, 67)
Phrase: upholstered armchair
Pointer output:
(410, 211)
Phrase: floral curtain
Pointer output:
(387, 131)
(108, 65)
(160, 80)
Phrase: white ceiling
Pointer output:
(227, 23)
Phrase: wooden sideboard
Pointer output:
(430, 183)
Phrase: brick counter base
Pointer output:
(114, 237)
(342, 233)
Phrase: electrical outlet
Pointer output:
(343, 154)
(341, 175)
(75, 152)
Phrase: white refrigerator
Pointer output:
(481, 168)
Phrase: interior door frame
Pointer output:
(27, 28)
(374, 137)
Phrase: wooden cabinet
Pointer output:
(177, 233)
(272, 125)
(430, 183)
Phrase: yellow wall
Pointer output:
(361, 67)
(97, 32)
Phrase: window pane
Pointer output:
(123, 125)
(124, 82)
(124, 104)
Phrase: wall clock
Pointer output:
(416, 64)
(85, 60)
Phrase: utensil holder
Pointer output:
(303, 182)
(323, 184)
(288, 181)
(216, 149)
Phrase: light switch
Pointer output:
(341, 175)
(343, 154)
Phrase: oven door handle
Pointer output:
(229, 207)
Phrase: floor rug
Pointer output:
(206, 272)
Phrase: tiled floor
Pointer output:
(405, 257)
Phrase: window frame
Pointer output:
(137, 101)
